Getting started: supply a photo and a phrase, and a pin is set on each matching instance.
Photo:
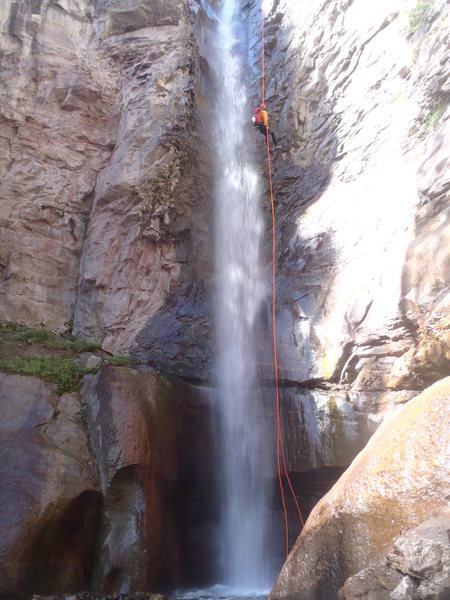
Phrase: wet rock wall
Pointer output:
(110, 489)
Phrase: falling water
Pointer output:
(240, 292)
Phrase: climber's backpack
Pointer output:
(257, 116)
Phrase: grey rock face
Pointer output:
(418, 567)
(361, 192)
(360, 107)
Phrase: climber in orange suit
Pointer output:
(260, 120)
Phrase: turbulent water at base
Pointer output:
(219, 592)
(240, 293)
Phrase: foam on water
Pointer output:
(220, 592)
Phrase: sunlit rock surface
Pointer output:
(395, 483)
(360, 106)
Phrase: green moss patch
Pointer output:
(120, 361)
(65, 372)
(38, 352)
(12, 333)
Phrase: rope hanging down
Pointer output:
(279, 436)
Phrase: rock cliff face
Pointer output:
(101, 485)
(58, 121)
(51, 499)
(105, 231)
(418, 565)
(358, 98)
(105, 213)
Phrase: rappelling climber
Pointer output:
(260, 120)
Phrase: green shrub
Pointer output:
(57, 362)
(420, 16)
(436, 114)
(82, 345)
(13, 332)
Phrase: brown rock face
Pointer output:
(153, 444)
(145, 216)
(50, 496)
(132, 427)
(58, 122)
(108, 489)
(397, 481)
(105, 179)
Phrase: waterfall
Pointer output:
(244, 483)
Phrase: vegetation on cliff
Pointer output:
(38, 352)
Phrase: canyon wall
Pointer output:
(358, 96)
(106, 232)
(359, 100)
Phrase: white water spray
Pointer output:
(239, 229)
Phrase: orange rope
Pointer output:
(279, 439)
(279, 436)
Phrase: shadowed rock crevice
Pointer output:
(62, 549)
(125, 526)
